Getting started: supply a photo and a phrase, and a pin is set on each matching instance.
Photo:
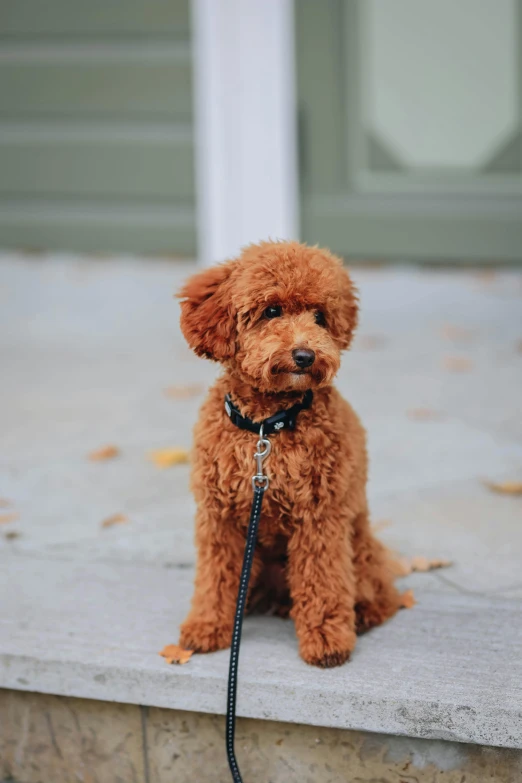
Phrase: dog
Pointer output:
(278, 319)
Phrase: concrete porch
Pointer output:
(87, 348)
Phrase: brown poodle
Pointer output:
(277, 319)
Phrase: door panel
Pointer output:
(410, 127)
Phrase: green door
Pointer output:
(410, 117)
(96, 126)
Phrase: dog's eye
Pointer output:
(319, 318)
(274, 311)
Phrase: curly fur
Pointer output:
(316, 558)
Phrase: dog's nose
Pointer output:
(303, 357)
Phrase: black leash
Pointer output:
(260, 484)
(236, 637)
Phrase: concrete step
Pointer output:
(450, 668)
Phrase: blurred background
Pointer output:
(384, 130)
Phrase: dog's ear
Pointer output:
(207, 318)
(348, 310)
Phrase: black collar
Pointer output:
(286, 419)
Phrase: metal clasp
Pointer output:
(264, 447)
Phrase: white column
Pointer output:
(246, 124)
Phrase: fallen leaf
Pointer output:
(420, 563)
(371, 342)
(458, 364)
(115, 519)
(173, 653)
(165, 458)
(12, 534)
(381, 524)
(408, 600)
(505, 487)
(457, 333)
(184, 392)
(404, 566)
(423, 414)
(106, 452)
(400, 566)
(6, 519)
(5, 503)
(486, 276)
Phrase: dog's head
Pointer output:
(278, 316)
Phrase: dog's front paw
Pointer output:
(205, 636)
(327, 647)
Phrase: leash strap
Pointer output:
(260, 484)
(255, 514)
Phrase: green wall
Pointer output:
(96, 132)
(96, 150)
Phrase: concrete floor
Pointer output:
(87, 349)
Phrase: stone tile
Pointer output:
(406, 456)
(462, 521)
(68, 523)
(190, 746)
(515, 593)
(50, 739)
(66, 740)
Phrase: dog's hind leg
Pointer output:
(271, 594)
(377, 598)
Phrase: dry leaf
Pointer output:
(457, 333)
(423, 414)
(184, 392)
(106, 452)
(458, 364)
(173, 653)
(404, 566)
(400, 566)
(115, 519)
(381, 524)
(12, 534)
(371, 342)
(6, 519)
(165, 458)
(486, 276)
(424, 564)
(505, 487)
(408, 600)
(5, 503)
